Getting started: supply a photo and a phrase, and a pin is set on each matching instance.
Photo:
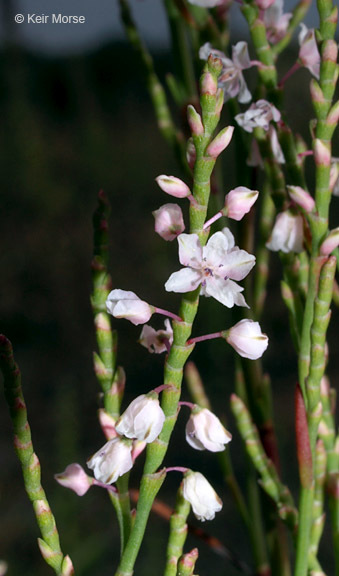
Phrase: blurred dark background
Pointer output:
(74, 121)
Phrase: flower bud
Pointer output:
(208, 84)
(204, 431)
(156, 340)
(239, 202)
(169, 222)
(322, 154)
(287, 234)
(112, 460)
(173, 186)
(334, 177)
(67, 568)
(199, 493)
(308, 52)
(143, 419)
(194, 120)
(302, 198)
(333, 115)
(247, 339)
(107, 424)
(316, 92)
(220, 142)
(330, 243)
(125, 304)
(75, 478)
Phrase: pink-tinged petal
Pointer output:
(225, 291)
(194, 120)
(309, 53)
(276, 148)
(136, 311)
(229, 237)
(240, 56)
(255, 158)
(301, 197)
(215, 250)
(190, 250)
(247, 339)
(239, 202)
(169, 222)
(244, 94)
(75, 478)
(264, 4)
(330, 243)
(220, 142)
(185, 280)
(155, 340)
(173, 186)
(287, 234)
(237, 264)
(207, 49)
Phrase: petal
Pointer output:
(236, 264)
(216, 249)
(185, 280)
(240, 55)
(225, 291)
(190, 250)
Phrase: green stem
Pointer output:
(178, 534)
(303, 538)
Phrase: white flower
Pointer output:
(75, 478)
(143, 419)
(125, 304)
(276, 21)
(247, 339)
(214, 266)
(308, 52)
(155, 340)
(204, 431)
(288, 233)
(112, 460)
(259, 115)
(199, 493)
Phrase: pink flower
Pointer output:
(239, 202)
(194, 120)
(173, 186)
(169, 222)
(204, 431)
(125, 304)
(288, 233)
(143, 419)
(155, 340)
(214, 266)
(220, 142)
(247, 339)
(112, 460)
(330, 243)
(199, 493)
(276, 21)
(301, 197)
(259, 115)
(231, 78)
(308, 53)
(75, 478)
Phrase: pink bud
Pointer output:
(334, 177)
(220, 142)
(333, 116)
(75, 478)
(169, 221)
(316, 92)
(67, 568)
(247, 339)
(173, 186)
(330, 243)
(126, 304)
(239, 202)
(322, 154)
(330, 51)
(208, 84)
(107, 424)
(302, 198)
(194, 120)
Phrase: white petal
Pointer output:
(225, 291)
(190, 250)
(236, 264)
(185, 280)
(240, 55)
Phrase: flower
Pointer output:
(173, 186)
(301, 197)
(199, 493)
(155, 340)
(112, 460)
(334, 176)
(288, 233)
(255, 158)
(231, 79)
(259, 115)
(239, 202)
(276, 21)
(75, 478)
(214, 266)
(143, 419)
(308, 53)
(220, 142)
(264, 4)
(204, 431)
(330, 243)
(169, 222)
(125, 304)
(247, 339)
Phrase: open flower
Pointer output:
(231, 79)
(259, 115)
(204, 431)
(112, 460)
(214, 266)
(169, 222)
(143, 419)
(247, 339)
(308, 53)
(276, 21)
(199, 493)
(75, 478)
(156, 340)
(126, 304)
(288, 233)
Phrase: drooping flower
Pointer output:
(156, 340)
(247, 339)
(204, 431)
(214, 266)
(276, 21)
(231, 79)
(173, 186)
(259, 115)
(199, 493)
(112, 460)
(288, 233)
(126, 304)
(143, 419)
(308, 53)
(239, 202)
(75, 478)
(169, 222)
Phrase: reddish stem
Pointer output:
(167, 313)
(206, 337)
